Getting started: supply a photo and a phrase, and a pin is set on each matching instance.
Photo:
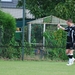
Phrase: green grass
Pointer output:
(35, 68)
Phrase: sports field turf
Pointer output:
(35, 68)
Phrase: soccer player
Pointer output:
(70, 29)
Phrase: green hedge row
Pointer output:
(56, 44)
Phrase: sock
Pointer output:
(70, 58)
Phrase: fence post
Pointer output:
(29, 33)
(44, 27)
(23, 30)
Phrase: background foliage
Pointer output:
(61, 8)
(55, 44)
(8, 27)
(55, 38)
(37, 33)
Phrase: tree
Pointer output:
(8, 25)
(61, 8)
(7, 30)
(65, 10)
(40, 8)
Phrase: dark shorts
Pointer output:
(70, 46)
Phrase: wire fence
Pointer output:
(14, 48)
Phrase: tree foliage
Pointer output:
(55, 44)
(7, 31)
(55, 38)
(61, 8)
(66, 10)
(8, 25)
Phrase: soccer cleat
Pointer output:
(69, 64)
(73, 60)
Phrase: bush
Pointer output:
(55, 44)
(56, 53)
(55, 39)
(8, 27)
(29, 49)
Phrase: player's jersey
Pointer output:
(70, 34)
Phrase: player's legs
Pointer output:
(69, 53)
(69, 56)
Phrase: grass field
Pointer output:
(35, 68)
